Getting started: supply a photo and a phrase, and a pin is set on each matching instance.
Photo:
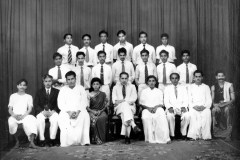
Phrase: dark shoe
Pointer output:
(42, 143)
(172, 138)
(136, 129)
(127, 140)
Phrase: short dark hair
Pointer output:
(144, 51)
(122, 50)
(70, 73)
(67, 34)
(95, 79)
(219, 71)
(198, 71)
(174, 74)
(164, 51)
(122, 73)
(46, 76)
(185, 51)
(56, 54)
(164, 35)
(101, 52)
(152, 76)
(22, 80)
(103, 31)
(86, 35)
(80, 53)
(142, 32)
(121, 31)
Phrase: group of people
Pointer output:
(84, 83)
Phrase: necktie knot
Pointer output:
(144, 46)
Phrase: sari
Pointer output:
(98, 124)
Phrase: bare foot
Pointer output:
(32, 145)
(16, 145)
(169, 142)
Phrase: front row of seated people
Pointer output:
(78, 108)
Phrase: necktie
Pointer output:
(103, 47)
(102, 75)
(69, 55)
(87, 55)
(82, 77)
(124, 91)
(176, 92)
(48, 93)
(144, 46)
(146, 73)
(59, 76)
(123, 67)
(164, 74)
(187, 74)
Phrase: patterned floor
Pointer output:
(138, 150)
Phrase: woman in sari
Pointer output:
(97, 112)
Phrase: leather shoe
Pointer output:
(136, 129)
(42, 143)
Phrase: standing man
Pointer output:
(123, 66)
(124, 96)
(58, 72)
(122, 44)
(104, 72)
(136, 57)
(45, 104)
(74, 120)
(68, 51)
(200, 102)
(223, 97)
(176, 103)
(106, 47)
(165, 46)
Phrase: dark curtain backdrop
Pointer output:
(32, 30)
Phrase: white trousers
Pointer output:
(29, 125)
(74, 131)
(200, 124)
(126, 112)
(185, 119)
(53, 125)
(155, 126)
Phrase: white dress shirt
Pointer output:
(107, 71)
(64, 52)
(171, 52)
(136, 56)
(108, 49)
(87, 74)
(182, 72)
(199, 95)
(117, 69)
(72, 99)
(92, 56)
(128, 46)
(151, 97)
(170, 68)
(171, 100)
(54, 73)
(140, 71)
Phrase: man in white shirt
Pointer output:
(58, 72)
(176, 103)
(136, 56)
(143, 70)
(19, 107)
(90, 53)
(199, 109)
(122, 44)
(123, 66)
(68, 51)
(165, 46)
(164, 70)
(124, 96)
(74, 120)
(186, 69)
(104, 72)
(154, 119)
(106, 47)
(83, 72)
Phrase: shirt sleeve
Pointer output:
(132, 73)
(133, 96)
(137, 74)
(208, 99)
(130, 51)
(61, 100)
(134, 56)
(114, 94)
(167, 98)
(30, 101)
(115, 52)
(84, 100)
(11, 99)
(153, 55)
(173, 53)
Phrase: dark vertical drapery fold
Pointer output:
(32, 30)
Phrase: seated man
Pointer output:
(124, 96)
(154, 119)
(223, 101)
(45, 105)
(199, 108)
(74, 120)
(20, 106)
(176, 103)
